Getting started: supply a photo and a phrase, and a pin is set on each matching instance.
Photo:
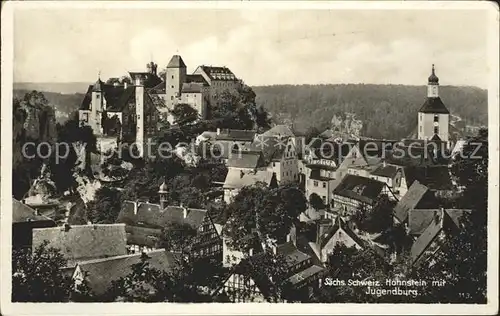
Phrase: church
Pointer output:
(434, 118)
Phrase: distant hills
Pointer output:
(387, 111)
(56, 87)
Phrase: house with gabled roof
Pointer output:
(393, 176)
(430, 240)
(236, 179)
(145, 222)
(339, 233)
(84, 242)
(420, 219)
(24, 220)
(100, 273)
(355, 191)
(418, 197)
(299, 277)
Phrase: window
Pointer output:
(97, 96)
(436, 130)
(171, 97)
(436, 118)
(324, 184)
(172, 76)
(324, 199)
(420, 128)
(315, 183)
(172, 87)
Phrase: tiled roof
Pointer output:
(339, 223)
(434, 105)
(440, 222)
(195, 78)
(84, 242)
(420, 219)
(291, 253)
(192, 87)
(387, 171)
(434, 177)
(305, 274)
(176, 62)
(362, 189)
(316, 175)
(279, 130)
(418, 196)
(152, 216)
(116, 97)
(246, 159)
(237, 179)
(101, 272)
(23, 213)
(236, 135)
(219, 73)
(158, 89)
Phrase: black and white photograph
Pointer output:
(293, 155)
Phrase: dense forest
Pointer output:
(387, 111)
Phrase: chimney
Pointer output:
(218, 131)
(116, 84)
(437, 216)
(136, 206)
(322, 227)
(125, 85)
(89, 223)
(184, 212)
(274, 248)
(250, 252)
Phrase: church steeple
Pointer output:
(433, 84)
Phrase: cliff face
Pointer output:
(33, 121)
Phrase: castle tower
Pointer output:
(175, 77)
(97, 106)
(433, 116)
(163, 193)
(139, 112)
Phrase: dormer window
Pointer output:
(436, 118)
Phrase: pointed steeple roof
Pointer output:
(176, 62)
(98, 85)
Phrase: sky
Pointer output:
(262, 47)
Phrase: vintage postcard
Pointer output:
(249, 157)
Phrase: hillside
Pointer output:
(387, 111)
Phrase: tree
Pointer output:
(37, 275)
(376, 219)
(230, 111)
(143, 284)
(316, 201)
(462, 259)
(177, 236)
(105, 207)
(184, 114)
(261, 213)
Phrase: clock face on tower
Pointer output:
(436, 123)
(434, 90)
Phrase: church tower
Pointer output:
(139, 112)
(433, 116)
(175, 77)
